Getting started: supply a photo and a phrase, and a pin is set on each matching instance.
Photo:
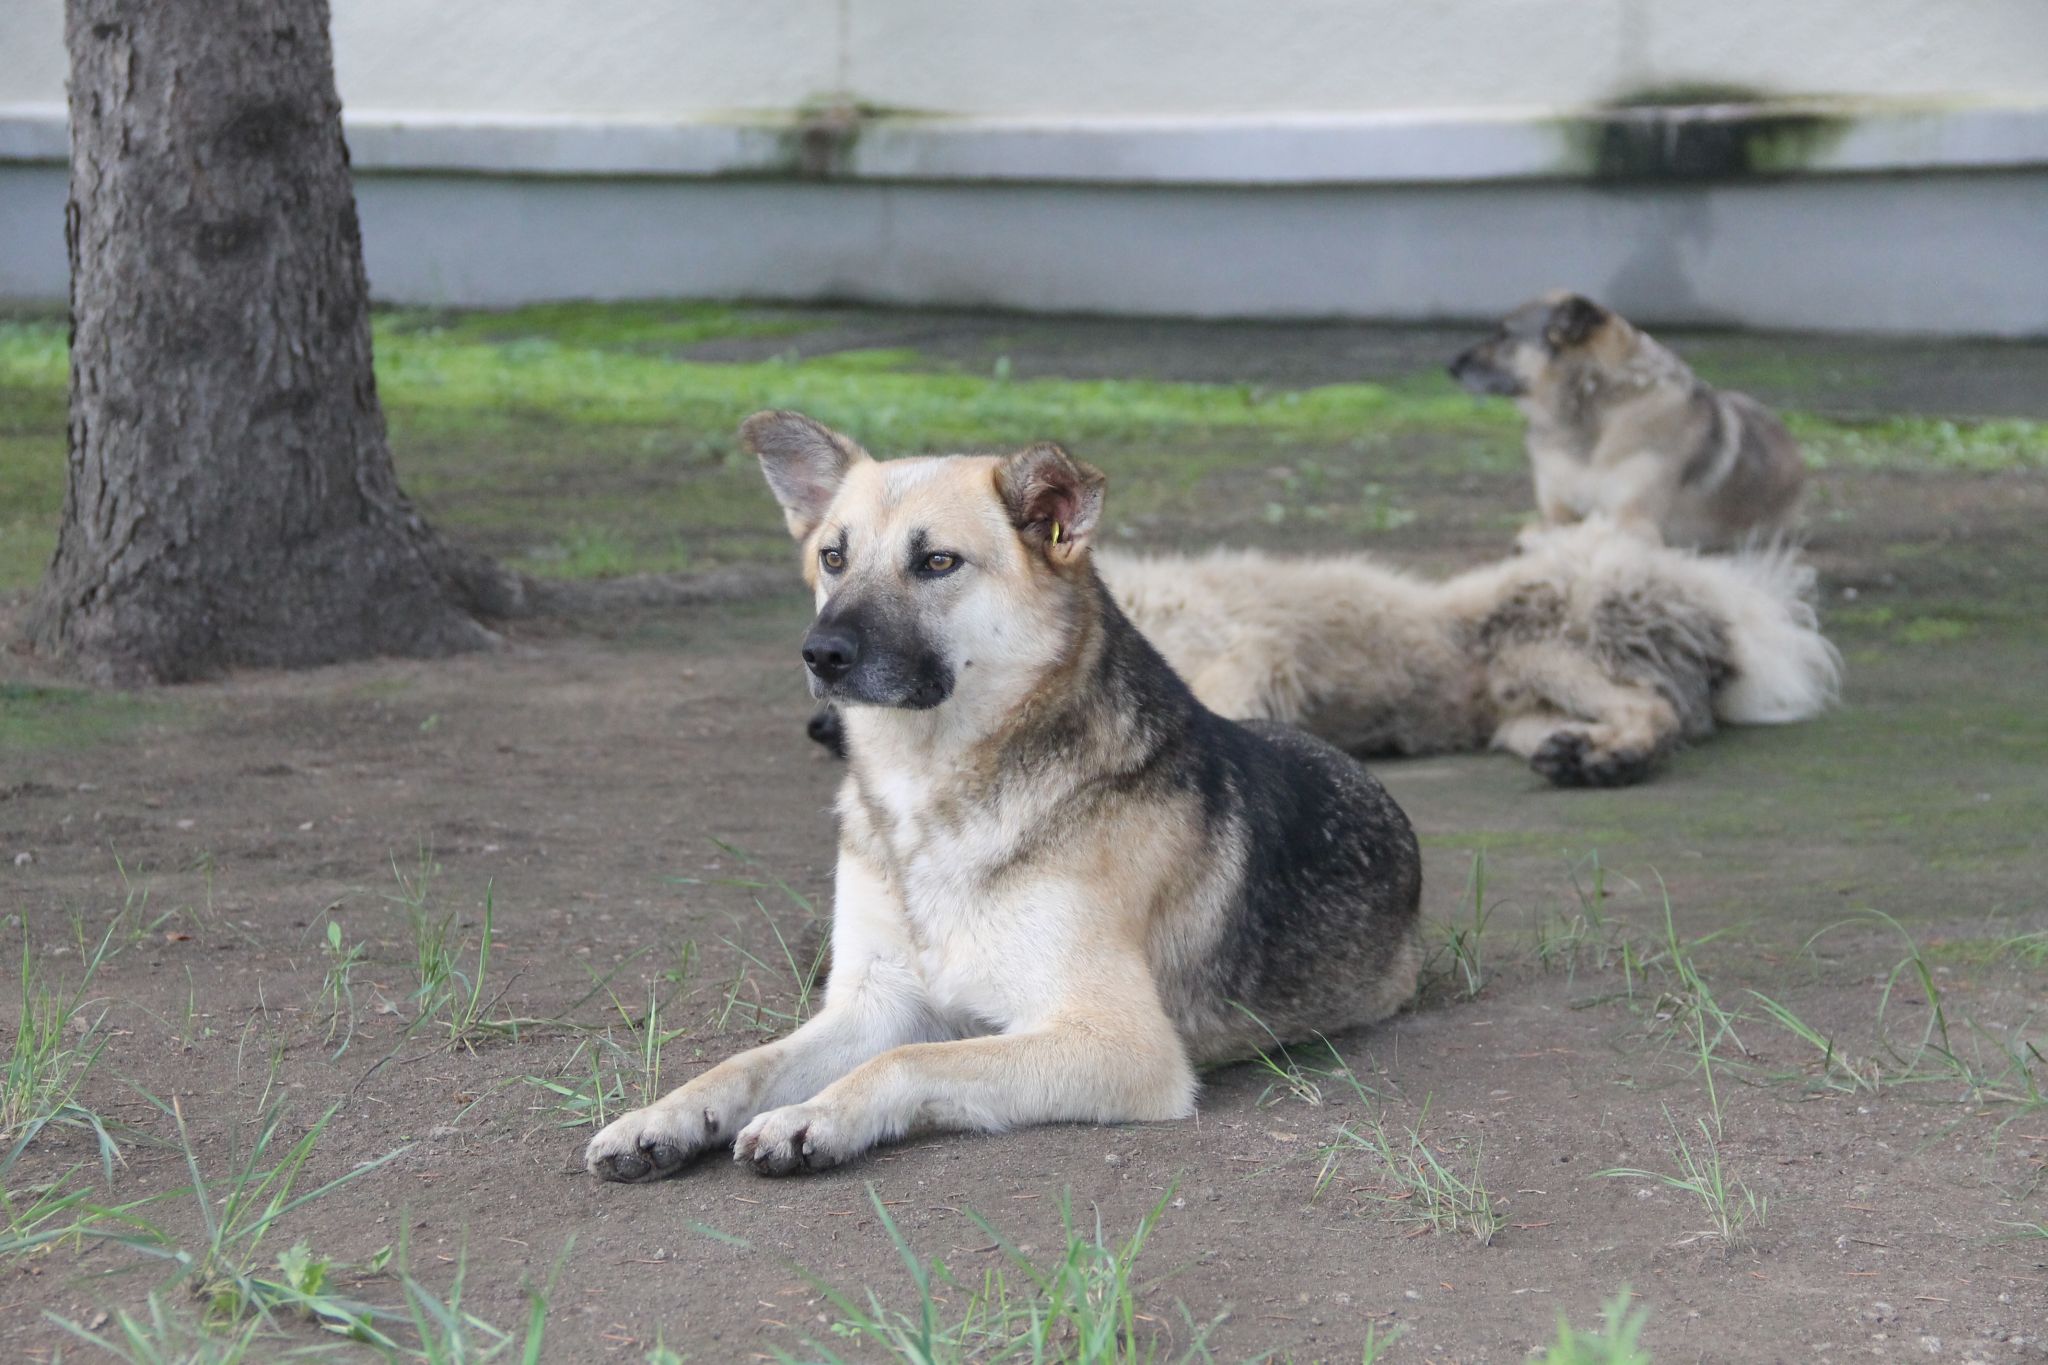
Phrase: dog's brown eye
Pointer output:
(833, 560)
(940, 562)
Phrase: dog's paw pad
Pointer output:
(1562, 758)
(1569, 758)
(1619, 768)
(648, 1144)
(656, 1161)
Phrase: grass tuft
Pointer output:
(59, 1037)
(1733, 1210)
(451, 991)
(1617, 1345)
(1464, 945)
(1081, 1306)
(1418, 1185)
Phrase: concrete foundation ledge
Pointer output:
(1829, 215)
(1815, 137)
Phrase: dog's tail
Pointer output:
(1785, 669)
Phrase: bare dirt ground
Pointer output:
(626, 793)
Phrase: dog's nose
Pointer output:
(831, 652)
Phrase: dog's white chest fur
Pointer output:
(979, 966)
(1577, 486)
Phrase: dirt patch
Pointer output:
(625, 795)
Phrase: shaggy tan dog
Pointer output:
(1591, 655)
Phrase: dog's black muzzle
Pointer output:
(857, 660)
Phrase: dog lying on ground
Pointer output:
(1592, 654)
(1063, 883)
(1620, 425)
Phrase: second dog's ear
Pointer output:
(1573, 320)
(1054, 500)
(804, 461)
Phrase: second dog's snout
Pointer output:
(831, 652)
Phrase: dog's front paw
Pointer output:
(797, 1137)
(1570, 758)
(653, 1143)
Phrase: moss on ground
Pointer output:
(34, 718)
(643, 325)
(578, 440)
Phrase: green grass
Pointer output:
(1928, 443)
(1687, 1005)
(34, 718)
(1417, 1183)
(650, 325)
(1617, 1345)
(1079, 1305)
(224, 1296)
(581, 1093)
(169, 1333)
(574, 440)
(60, 1034)
(213, 1249)
(1733, 1211)
(748, 992)
(1295, 1079)
(337, 985)
(1460, 959)
(453, 989)
(448, 1334)
(592, 1084)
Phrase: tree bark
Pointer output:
(230, 497)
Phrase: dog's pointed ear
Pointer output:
(1054, 500)
(1573, 319)
(804, 461)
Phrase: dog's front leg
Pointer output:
(1114, 1062)
(874, 1001)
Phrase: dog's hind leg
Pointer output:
(1115, 1061)
(1523, 735)
(1258, 678)
(1575, 723)
(875, 1001)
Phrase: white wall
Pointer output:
(1375, 158)
(1092, 58)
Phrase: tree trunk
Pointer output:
(230, 497)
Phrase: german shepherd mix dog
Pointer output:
(1620, 425)
(1592, 654)
(1063, 883)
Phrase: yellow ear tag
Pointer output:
(1055, 533)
